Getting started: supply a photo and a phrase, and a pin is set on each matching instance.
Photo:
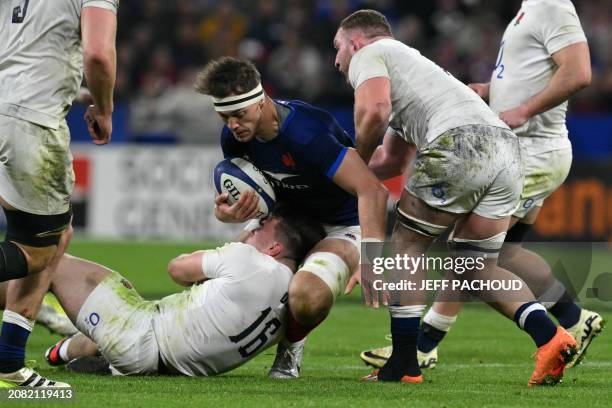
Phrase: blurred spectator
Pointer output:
(222, 30)
(160, 41)
(175, 112)
(295, 68)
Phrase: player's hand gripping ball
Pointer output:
(237, 175)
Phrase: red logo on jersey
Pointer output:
(519, 18)
(288, 160)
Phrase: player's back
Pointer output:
(227, 320)
(426, 100)
(40, 59)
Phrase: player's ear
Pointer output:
(275, 249)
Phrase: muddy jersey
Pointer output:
(228, 319)
(426, 100)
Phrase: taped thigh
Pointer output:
(417, 225)
(330, 268)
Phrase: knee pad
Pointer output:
(13, 263)
(35, 230)
(330, 268)
(419, 226)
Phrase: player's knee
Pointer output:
(309, 305)
(310, 298)
(39, 258)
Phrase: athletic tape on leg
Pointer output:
(487, 247)
(419, 226)
(406, 311)
(330, 268)
(439, 321)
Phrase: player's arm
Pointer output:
(98, 31)
(573, 74)
(392, 157)
(482, 89)
(186, 269)
(354, 177)
(372, 112)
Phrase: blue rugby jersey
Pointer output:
(301, 162)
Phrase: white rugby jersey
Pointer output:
(525, 66)
(230, 318)
(41, 58)
(426, 100)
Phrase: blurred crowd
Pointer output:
(163, 43)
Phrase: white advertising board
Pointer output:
(154, 192)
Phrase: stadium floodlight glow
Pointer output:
(236, 102)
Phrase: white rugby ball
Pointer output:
(236, 175)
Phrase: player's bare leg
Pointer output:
(69, 348)
(24, 296)
(72, 283)
(582, 324)
(416, 227)
(311, 296)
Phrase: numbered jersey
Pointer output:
(525, 66)
(41, 61)
(426, 100)
(230, 318)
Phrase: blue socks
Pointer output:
(532, 318)
(13, 339)
(429, 337)
(566, 311)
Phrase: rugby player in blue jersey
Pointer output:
(314, 167)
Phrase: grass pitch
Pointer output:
(484, 361)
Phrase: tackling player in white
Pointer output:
(235, 307)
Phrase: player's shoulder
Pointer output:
(226, 133)
(306, 121)
(550, 8)
(232, 248)
(227, 138)
(381, 47)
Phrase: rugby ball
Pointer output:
(235, 176)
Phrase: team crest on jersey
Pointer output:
(519, 18)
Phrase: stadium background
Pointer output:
(147, 196)
(153, 180)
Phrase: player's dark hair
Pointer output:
(371, 22)
(297, 233)
(225, 76)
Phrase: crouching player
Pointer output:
(235, 308)
(313, 167)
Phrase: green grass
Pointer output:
(484, 361)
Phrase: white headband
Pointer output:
(235, 102)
